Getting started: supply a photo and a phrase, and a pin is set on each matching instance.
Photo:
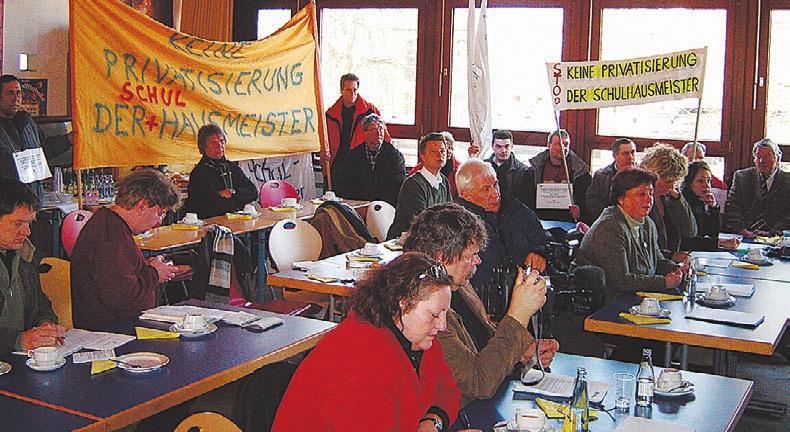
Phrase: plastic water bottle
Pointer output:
(580, 405)
(645, 379)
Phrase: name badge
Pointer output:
(553, 196)
(31, 165)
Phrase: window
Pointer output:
(628, 33)
(270, 20)
(777, 118)
(379, 46)
(519, 84)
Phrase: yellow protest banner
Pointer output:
(141, 90)
(599, 84)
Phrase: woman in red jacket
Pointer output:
(382, 368)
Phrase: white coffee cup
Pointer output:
(249, 209)
(370, 249)
(717, 292)
(191, 218)
(650, 306)
(329, 196)
(531, 419)
(288, 202)
(45, 356)
(755, 254)
(194, 322)
(670, 378)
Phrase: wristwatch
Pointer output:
(436, 423)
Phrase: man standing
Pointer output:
(217, 186)
(510, 171)
(597, 199)
(18, 131)
(26, 317)
(759, 201)
(110, 278)
(479, 353)
(374, 171)
(424, 188)
(343, 120)
(515, 235)
(549, 168)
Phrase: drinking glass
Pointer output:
(624, 388)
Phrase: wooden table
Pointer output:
(717, 404)
(167, 240)
(297, 279)
(769, 299)
(114, 399)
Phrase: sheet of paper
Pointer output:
(553, 196)
(726, 316)
(713, 255)
(31, 165)
(737, 290)
(92, 356)
(562, 386)
(720, 263)
(327, 270)
(178, 312)
(639, 424)
(77, 339)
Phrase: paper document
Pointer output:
(553, 196)
(713, 255)
(175, 314)
(77, 339)
(713, 262)
(562, 386)
(92, 356)
(31, 165)
(640, 424)
(726, 316)
(737, 290)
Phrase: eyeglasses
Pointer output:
(435, 271)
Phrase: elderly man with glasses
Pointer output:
(110, 278)
(759, 201)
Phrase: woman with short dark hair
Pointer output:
(381, 368)
(696, 189)
(623, 240)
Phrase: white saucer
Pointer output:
(511, 426)
(4, 368)
(635, 310)
(31, 363)
(687, 391)
(375, 255)
(149, 360)
(208, 329)
(336, 199)
(197, 223)
(704, 300)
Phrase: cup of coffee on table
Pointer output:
(194, 322)
(370, 249)
(249, 209)
(45, 356)
(717, 292)
(670, 378)
(288, 202)
(531, 420)
(329, 196)
(191, 218)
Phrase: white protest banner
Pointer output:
(295, 169)
(599, 84)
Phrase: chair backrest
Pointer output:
(56, 284)
(72, 225)
(207, 422)
(273, 192)
(292, 241)
(379, 218)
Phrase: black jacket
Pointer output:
(357, 181)
(512, 175)
(205, 184)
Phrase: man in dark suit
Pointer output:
(759, 201)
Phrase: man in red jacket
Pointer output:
(343, 120)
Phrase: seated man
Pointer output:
(510, 172)
(449, 168)
(480, 354)
(759, 201)
(217, 186)
(597, 199)
(695, 151)
(425, 188)
(110, 278)
(515, 235)
(374, 171)
(26, 317)
(547, 167)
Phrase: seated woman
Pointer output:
(670, 212)
(216, 185)
(696, 189)
(623, 241)
(381, 368)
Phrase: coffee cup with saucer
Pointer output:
(329, 196)
(650, 306)
(191, 219)
(717, 293)
(250, 209)
(670, 383)
(194, 325)
(530, 419)
(288, 202)
(45, 359)
(370, 249)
